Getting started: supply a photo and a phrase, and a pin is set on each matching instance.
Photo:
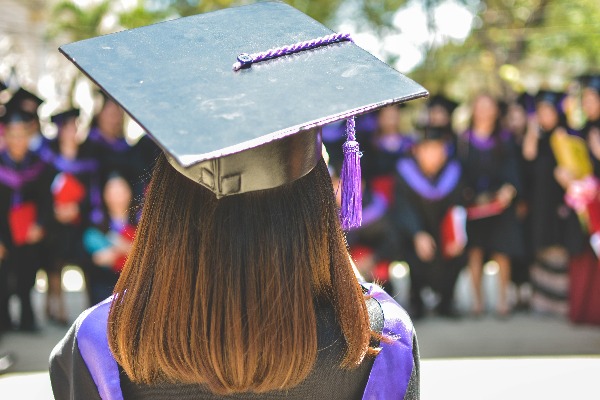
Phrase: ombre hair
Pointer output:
(224, 292)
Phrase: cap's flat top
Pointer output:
(176, 80)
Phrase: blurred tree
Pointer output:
(78, 23)
(517, 45)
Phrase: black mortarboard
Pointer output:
(2, 86)
(26, 101)
(442, 101)
(235, 131)
(14, 114)
(591, 81)
(62, 117)
(551, 97)
(527, 102)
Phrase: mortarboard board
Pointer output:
(62, 117)
(591, 81)
(13, 113)
(26, 101)
(442, 101)
(551, 97)
(235, 131)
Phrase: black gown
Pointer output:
(420, 206)
(82, 367)
(488, 165)
(24, 184)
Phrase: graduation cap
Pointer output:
(591, 81)
(26, 101)
(13, 113)
(442, 101)
(550, 97)
(2, 86)
(62, 117)
(236, 97)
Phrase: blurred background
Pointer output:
(481, 204)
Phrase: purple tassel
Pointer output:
(351, 212)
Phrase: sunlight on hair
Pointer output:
(491, 268)
(72, 279)
(41, 281)
(399, 269)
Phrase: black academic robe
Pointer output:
(65, 240)
(488, 165)
(24, 185)
(553, 223)
(82, 367)
(420, 206)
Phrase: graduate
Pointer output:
(429, 199)
(590, 105)
(111, 149)
(555, 231)
(239, 281)
(25, 207)
(492, 180)
(77, 203)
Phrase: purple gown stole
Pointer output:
(388, 379)
(393, 366)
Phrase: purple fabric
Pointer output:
(447, 181)
(393, 366)
(332, 132)
(118, 145)
(75, 166)
(351, 208)
(245, 60)
(15, 179)
(487, 143)
(375, 210)
(92, 340)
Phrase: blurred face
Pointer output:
(117, 195)
(17, 138)
(389, 120)
(590, 102)
(110, 120)
(438, 116)
(68, 132)
(485, 111)
(431, 156)
(547, 116)
(516, 118)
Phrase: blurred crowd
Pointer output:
(70, 200)
(518, 186)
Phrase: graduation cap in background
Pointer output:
(13, 113)
(442, 101)
(551, 97)
(2, 86)
(252, 126)
(527, 102)
(428, 132)
(26, 101)
(591, 81)
(63, 117)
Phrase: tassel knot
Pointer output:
(351, 207)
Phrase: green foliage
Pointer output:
(76, 22)
(518, 45)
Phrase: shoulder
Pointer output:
(82, 362)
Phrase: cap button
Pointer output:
(245, 60)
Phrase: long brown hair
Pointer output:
(223, 292)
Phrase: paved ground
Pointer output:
(466, 359)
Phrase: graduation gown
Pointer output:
(65, 243)
(82, 366)
(24, 200)
(488, 164)
(421, 205)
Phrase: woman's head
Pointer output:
(211, 285)
(485, 111)
(117, 195)
(110, 119)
